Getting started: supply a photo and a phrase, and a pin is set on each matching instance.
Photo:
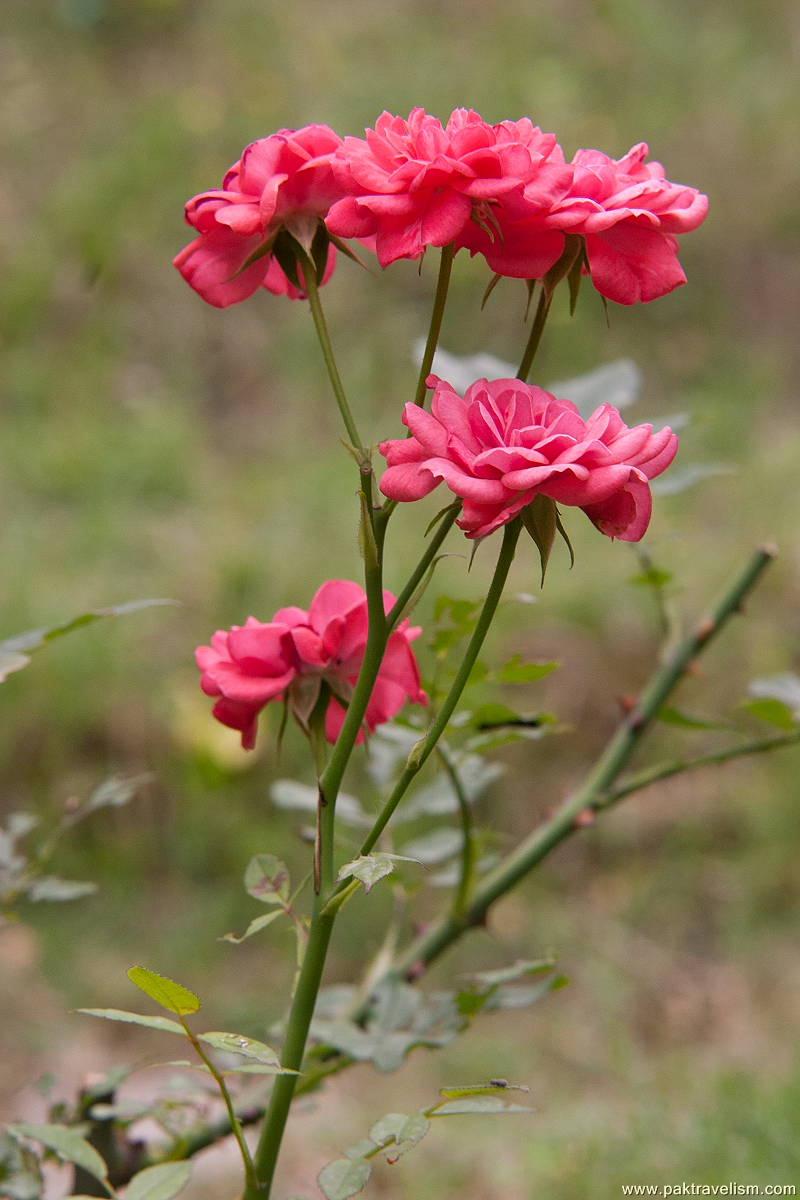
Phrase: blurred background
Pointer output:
(151, 446)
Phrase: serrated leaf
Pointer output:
(479, 1106)
(516, 670)
(405, 1131)
(163, 1024)
(267, 879)
(236, 1043)
(539, 519)
(161, 1182)
(255, 926)
(369, 869)
(50, 887)
(172, 996)
(67, 1143)
(344, 1178)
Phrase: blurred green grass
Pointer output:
(151, 446)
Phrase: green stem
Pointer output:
(580, 807)
(424, 748)
(322, 921)
(302, 1011)
(537, 329)
(321, 326)
(435, 328)
(461, 895)
(646, 778)
(244, 1149)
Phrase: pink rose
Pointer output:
(504, 443)
(416, 183)
(291, 657)
(284, 181)
(629, 214)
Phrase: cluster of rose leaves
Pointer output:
(503, 191)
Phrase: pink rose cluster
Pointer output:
(505, 442)
(290, 658)
(505, 191)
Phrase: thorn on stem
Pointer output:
(585, 818)
(705, 629)
(627, 704)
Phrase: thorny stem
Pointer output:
(646, 778)
(579, 808)
(595, 795)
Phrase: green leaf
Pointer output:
(438, 798)
(159, 1183)
(67, 1143)
(480, 1106)
(516, 670)
(236, 1043)
(674, 716)
(50, 887)
(539, 519)
(618, 383)
(15, 651)
(653, 577)
(785, 687)
(368, 869)
(20, 1170)
(686, 477)
(773, 711)
(492, 1088)
(166, 992)
(344, 1178)
(255, 926)
(163, 1024)
(435, 847)
(116, 792)
(267, 879)
(292, 795)
(400, 1131)
(522, 969)
(11, 661)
